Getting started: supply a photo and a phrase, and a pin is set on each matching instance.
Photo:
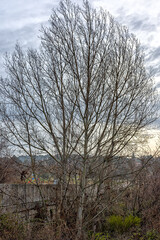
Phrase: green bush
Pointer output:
(119, 224)
(115, 223)
(131, 221)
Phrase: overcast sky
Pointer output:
(21, 20)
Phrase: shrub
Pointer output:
(131, 221)
(10, 227)
(116, 223)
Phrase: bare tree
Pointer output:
(81, 98)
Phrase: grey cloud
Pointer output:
(17, 13)
(27, 34)
(154, 54)
(158, 86)
(21, 22)
(27, 37)
(136, 21)
(141, 23)
(152, 60)
(156, 70)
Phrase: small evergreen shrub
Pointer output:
(119, 224)
(115, 223)
(131, 221)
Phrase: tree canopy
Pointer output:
(85, 92)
